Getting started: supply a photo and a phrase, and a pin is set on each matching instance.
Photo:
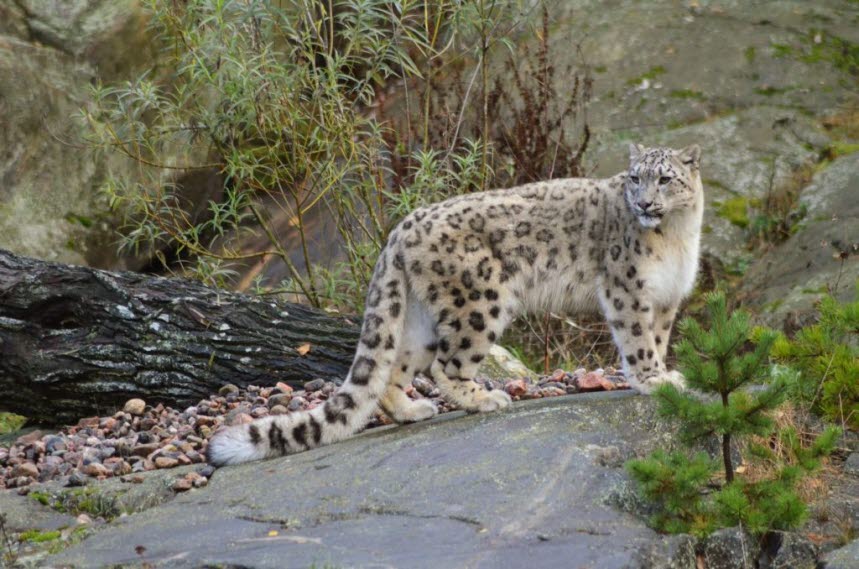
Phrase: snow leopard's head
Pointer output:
(662, 181)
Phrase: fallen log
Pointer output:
(76, 341)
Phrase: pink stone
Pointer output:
(516, 388)
(594, 381)
(242, 419)
(27, 469)
(166, 462)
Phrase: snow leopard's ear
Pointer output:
(635, 151)
(690, 156)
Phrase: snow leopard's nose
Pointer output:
(644, 205)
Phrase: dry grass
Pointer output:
(808, 427)
(844, 125)
(777, 215)
(548, 341)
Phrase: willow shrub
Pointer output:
(275, 99)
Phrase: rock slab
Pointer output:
(513, 489)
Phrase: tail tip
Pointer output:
(231, 445)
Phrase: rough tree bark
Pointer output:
(76, 341)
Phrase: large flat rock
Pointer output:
(529, 487)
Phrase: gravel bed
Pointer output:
(142, 437)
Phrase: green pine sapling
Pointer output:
(713, 364)
(731, 393)
(825, 360)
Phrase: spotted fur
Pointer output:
(454, 274)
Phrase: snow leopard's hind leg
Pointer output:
(464, 342)
(414, 356)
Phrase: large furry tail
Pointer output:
(348, 410)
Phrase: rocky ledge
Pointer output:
(141, 437)
(539, 485)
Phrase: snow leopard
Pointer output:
(454, 274)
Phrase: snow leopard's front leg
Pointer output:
(632, 319)
(662, 323)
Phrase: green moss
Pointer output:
(773, 306)
(650, 75)
(42, 497)
(839, 52)
(819, 46)
(687, 94)
(770, 91)
(781, 50)
(77, 535)
(749, 54)
(837, 149)
(735, 210)
(37, 536)
(84, 501)
(10, 422)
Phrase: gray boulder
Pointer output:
(730, 548)
(50, 54)
(110, 35)
(49, 206)
(787, 550)
(846, 557)
(672, 552)
(790, 278)
(851, 465)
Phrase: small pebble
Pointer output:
(241, 419)
(281, 399)
(166, 462)
(228, 389)
(26, 469)
(206, 471)
(516, 388)
(259, 412)
(134, 407)
(593, 381)
(95, 470)
(30, 437)
(77, 478)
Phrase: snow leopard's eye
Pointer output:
(664, 180)
(634, 179)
